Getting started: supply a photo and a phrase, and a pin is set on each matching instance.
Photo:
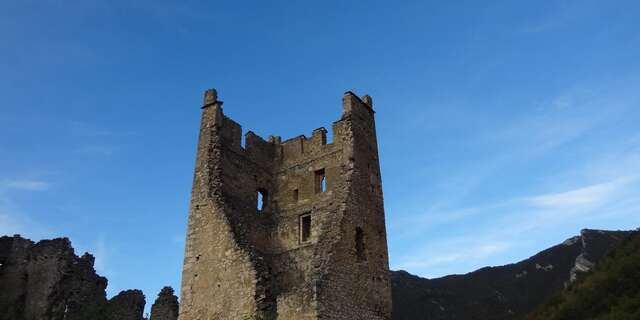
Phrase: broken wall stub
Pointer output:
(166, 306)
(315, 248)
(48, 281)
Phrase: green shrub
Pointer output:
(609, 292)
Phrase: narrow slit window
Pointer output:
(360, 254)
(296, 195)
(305, 227)
(263, 199)
(321, 181)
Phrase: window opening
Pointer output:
(296, 195)
(360, 254)
(263, 199)
(321, 181)
(305, 227)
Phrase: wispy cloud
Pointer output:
(593, 181)
(13, 218)
(528, 139)
(587, 196)
(86, 129)
(102, 253)
(442, 255)
(25, 184)
(96, 140)
(95, 150)
(565, 13)
(503, 226)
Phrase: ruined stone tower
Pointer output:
(289, 229)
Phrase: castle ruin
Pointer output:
(288, 230)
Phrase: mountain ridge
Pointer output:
(70, 288)
(611, 290)
(501, 292)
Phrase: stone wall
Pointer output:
(166, 305)
(127, 305)
(47, 281)
(315, 249)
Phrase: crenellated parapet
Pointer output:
(291, 150)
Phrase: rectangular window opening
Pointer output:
(320, 181)
(360, 253)
(263, 200)
(305, 227)
(296, 195)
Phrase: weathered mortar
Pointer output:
(244, 262)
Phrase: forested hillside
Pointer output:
(610, 291)
(505, 292)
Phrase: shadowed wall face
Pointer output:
(46, 280)
(287, 229)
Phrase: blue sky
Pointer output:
(504, 127)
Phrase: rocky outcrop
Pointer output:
(166, 305)
(610, 291)
(127, 305)
(47, 281)
(14, 257)
(506, 292)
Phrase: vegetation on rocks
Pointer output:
(610, 291)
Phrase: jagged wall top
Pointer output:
(274, 148)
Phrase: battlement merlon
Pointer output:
(213, 106)
(211, 98)
(351, 103)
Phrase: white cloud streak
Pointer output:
(587, 196)
(25, 184)
(454, 252)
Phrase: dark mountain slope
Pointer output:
(610, 291)
(506, 292)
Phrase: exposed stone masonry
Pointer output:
(47, 281)
(127, 305)
(315, 249)
(166, 305)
